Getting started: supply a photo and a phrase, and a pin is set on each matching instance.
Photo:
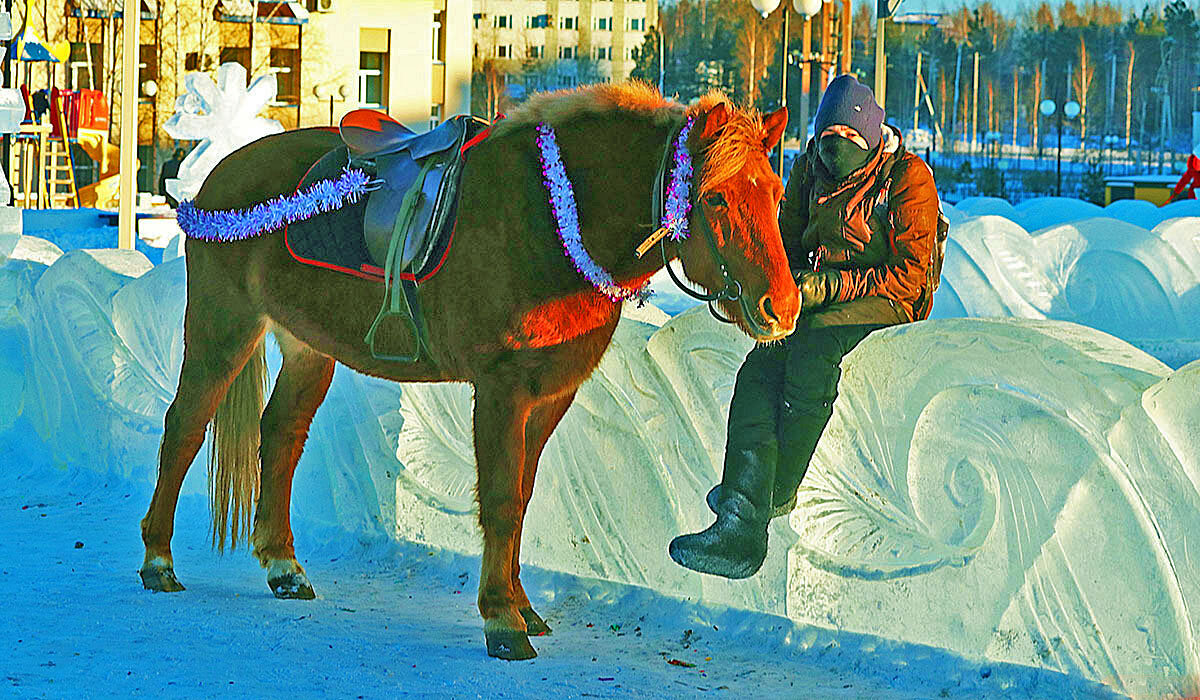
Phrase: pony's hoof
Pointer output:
(292, 586)
(160, 579)
(510, 645)
(534, 623)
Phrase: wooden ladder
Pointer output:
(60, 169)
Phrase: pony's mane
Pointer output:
(559, 107)
(742, 138)
(726, 156)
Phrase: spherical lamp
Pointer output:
(765, 7)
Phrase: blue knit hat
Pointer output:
(849, 102)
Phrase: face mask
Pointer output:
(841, 156)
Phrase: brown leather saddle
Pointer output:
(401, 232)
(424, 168)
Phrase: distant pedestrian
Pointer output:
(170, 171)
(1186, 187)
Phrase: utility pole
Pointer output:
(126, 219)
(805, 77)
(975, 106)
(917, 92)
(783, 80)
(954, 107)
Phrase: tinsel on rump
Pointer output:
(237, 225)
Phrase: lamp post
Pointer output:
(130, 24)
(806, 8)
(1071, 110)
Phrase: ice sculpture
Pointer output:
(1140, 285)
(1031, 496)
(223, 116)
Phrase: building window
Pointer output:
(566, 52)
(237, 54)
(603, 53)
(85, 66)
(372, 79)
(604, 24)
(541, 21)
(637, 24)
(504, 51)
(568, 23)
(502, 21)
(285, 64)
(537, 52)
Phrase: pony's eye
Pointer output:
(715, 199)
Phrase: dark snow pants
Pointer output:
(784, 393)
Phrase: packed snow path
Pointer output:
(393, 621)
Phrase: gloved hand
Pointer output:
(818, 289)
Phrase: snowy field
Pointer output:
(1014, 519)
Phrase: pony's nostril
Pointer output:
(768, 312)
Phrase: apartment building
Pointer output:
(597, 33)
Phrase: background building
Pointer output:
(411, 59)
(565, 41)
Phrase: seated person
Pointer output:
(860, 220)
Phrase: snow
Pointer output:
(969, 525)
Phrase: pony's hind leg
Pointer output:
(216, 348)
(500, 416)
(301, 387)
(542, 421)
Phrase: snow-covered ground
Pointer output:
(1031, 497)
(394, 619)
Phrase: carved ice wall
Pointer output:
(1031, 496)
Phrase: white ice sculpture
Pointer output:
(223, 116)
(1140, 285)
(1030, 496)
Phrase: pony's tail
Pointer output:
(233, 463)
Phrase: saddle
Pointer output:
(355, 238)
(401, 231)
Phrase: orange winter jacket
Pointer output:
(894, 262)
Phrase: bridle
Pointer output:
(732, 291)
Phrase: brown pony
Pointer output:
(507, 312)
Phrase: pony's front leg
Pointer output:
(500, 416)
(543, 419)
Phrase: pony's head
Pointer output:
(737, 195)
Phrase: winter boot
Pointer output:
(736, 544)
(778, 510)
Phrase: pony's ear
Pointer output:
(714, 120)
(774, 124)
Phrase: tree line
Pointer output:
(1135, 74)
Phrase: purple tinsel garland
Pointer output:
(679, 197)
(566, 215)
(234, 225)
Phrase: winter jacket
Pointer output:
(893, 263)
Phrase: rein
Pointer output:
(732, 291)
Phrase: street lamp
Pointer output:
(806, 8)
(1071, 110)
